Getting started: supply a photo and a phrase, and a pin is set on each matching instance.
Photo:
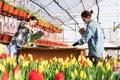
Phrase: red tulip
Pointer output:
(5, 75)
(4, 55)
(16, 69)
(34, 75)
(59, 76)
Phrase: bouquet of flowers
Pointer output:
(36, 35)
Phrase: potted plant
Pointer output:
(15, 12)
(59, 30)
(18, 12)
(10, 11)
(26, 14)
(5, 37)
(5, 8)
(1, 4)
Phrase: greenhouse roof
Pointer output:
(57, 12)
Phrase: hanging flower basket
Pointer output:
(48, 30)
(24, 15)
(20, 15)
(5, 9)
(28, 16)
(5, 38)
(10, 11)
(54, 29)
(1, 4)
(15, 12)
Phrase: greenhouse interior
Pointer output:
(59, 39)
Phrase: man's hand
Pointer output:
(75, 44)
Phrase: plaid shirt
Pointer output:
(21, 36)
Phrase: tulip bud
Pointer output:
(114, 61)
(81, 74)
(108, 67)
(100, 64)
(59, 76)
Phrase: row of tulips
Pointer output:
(56, 69)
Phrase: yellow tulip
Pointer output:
(89, 62)
(37, 61)
(60, 60)
(56, 71)
(66, 65)
(63, 68)
(67, 59)
(72, 74)
(14, 64)
(100, 64)
(46, 62)
(31, 58)
(40, 68)
(55, 59)
(84, 77)
(81, 74)
(114, 61)
(4, 62)
(23, 64)
(2, 68)
(51, 62)
(8, 60)
(108, 67)
(29, 55)
(79, 58)
(76, 72)
(21, 58)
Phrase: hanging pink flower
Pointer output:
(5, 75)
(59, 76)
(34, 75)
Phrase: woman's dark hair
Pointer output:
(86, 13)
(31, 18)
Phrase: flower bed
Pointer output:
(56, 69)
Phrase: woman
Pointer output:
(23, 32)
(94, 36)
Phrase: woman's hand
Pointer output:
(75, 44)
